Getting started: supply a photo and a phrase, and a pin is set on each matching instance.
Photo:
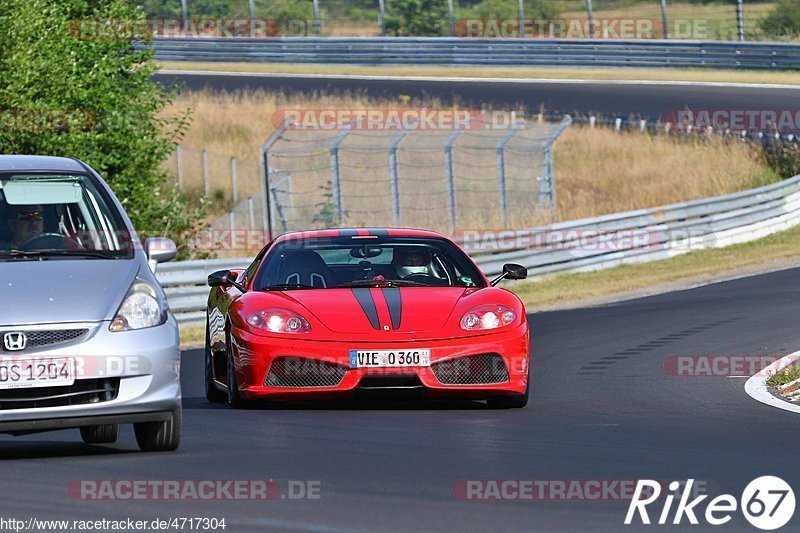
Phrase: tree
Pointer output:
(783, 20)
(75, 60)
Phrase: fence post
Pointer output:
(501, 172)
(179, 157)
(252, 6)
(317, 25)
(521, 19)
(336, 177)
(206, 184)
(185, 15)
(251, 211)
(232, 220)
(393, 177)
(547, 183)
(382, 17)
(266, 208)
(451, 182)
(740, 19)
(664, 21)
(451, 17)
(590, 16)
(234, 194)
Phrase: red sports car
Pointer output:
(331, 313)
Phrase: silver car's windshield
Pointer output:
(59, 215)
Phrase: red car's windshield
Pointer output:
(339, 262)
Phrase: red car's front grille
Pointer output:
(302, 372)
(472, 370)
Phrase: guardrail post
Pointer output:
(179, 160)
(206, 184)
(451, 182)
(234, 194)
(393, 177)
(501, 172)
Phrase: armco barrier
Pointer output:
(469, 52)
(573, 246)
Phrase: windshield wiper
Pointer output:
(99, 254)
(288, 287)
(382, 283)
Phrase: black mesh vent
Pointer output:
(303, 372)
(41, 339)
(82, 392)
(473, 370)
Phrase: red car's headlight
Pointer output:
(278, 321)
(488, 316)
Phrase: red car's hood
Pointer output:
(364, 310)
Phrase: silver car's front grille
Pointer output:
(82, 392)
(48, 338)
(473, 370)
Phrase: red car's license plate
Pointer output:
(389, 358)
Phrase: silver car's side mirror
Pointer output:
(159, 250)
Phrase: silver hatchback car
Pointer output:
(86, 337)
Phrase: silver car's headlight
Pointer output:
(141, 308)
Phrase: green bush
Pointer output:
(52, 66)
(783, 20)
(419, 18)
(509, 9)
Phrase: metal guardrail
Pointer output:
(469, 51)
(580, 245)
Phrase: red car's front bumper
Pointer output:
(254, 355)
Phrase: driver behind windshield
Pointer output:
(24, 222)
(410, 261)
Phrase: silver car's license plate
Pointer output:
(29, 373)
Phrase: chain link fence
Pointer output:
(673, 19)
(448, 181)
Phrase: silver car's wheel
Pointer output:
(102, 434)
(159, 436)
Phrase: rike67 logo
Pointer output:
(767, 503)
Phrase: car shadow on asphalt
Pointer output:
(18, 448)
(360, 404)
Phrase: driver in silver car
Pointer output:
(24, 221)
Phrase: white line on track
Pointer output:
(474, 79)
(756, 387)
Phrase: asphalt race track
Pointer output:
(393, 465)
(647, 100)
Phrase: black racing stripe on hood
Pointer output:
(348, 232)
(395, 303)
(378, 232)
(364, 297)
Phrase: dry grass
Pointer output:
(601, 171)
(597, 171)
